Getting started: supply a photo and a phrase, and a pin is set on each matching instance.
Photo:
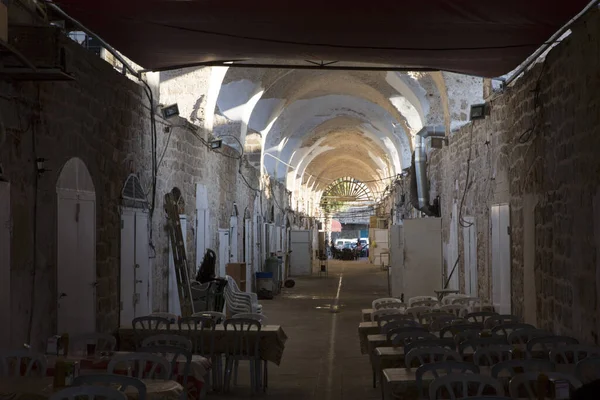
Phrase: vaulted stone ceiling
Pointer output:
(318, 126)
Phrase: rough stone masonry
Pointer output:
(538, 152)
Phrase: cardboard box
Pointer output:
(4, 20)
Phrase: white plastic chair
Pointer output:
(257, 317)
(436, 369)
(203, 345)
(447, 300)
(547, 343)
(455, 309)
(511, 368)
(414, 299)
(148, 326)
(263, 321)
(166, 315)
(506, 329)
(458, 385)
(240, 302)
(244, 346)
(499, 319)
(123, 382)
(492, 355)
(425, 355)
(573, 353)
(16, 358)
(168, 340)
(386, 311)
(174, 355)
(387, 302)
(529, 382)
(426, 303)
(479, 317)
(396, 321)
(143, 365)
(417, 311)
(89, 393)
(588, 369)
(217, 317)
(522, 336)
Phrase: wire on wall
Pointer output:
(537, 105)
(461, 220)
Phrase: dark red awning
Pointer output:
(475, 37)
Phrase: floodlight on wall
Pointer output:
(170, 111)
(215, 144)
(478, 111)
(40, 166)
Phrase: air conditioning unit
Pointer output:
(34, 53)
(4, 20)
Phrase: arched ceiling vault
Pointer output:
(318, 126)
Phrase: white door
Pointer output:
(258, 240)
(202, 224)
(248, 253)
(76, 273)
(423, 260)
(301, 258)
(136, 282)
(470, 252)
(5, 240)
(452, 262)
(233, 239)
(223, 256)
(501, 289)
(76, 250)
(381, 251)
(174, 306)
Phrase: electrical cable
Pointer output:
(461, 221)
(35, 219)
(528, 133)
(165, 148)
(451, 273)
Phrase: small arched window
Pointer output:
(132, 193)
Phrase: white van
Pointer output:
(340, 243)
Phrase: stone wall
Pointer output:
(103, 118)
(550, 178)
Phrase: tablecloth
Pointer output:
(36, 388)
(271, 344)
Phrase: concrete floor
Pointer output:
(322, 357)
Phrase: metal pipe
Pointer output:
(549, 43)
(421, 164)
(104, 44)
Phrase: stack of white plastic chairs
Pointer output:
(238, 302)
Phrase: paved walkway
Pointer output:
(322, 358)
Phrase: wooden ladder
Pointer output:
(179, 258)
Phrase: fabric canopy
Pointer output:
(336, 226)
(475, 37)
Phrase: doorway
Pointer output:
(223, 256)
(5, 241)
(76, 249)
(501, 288)
(470, 253)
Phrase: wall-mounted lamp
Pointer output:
(170, 111)
(39, 163)
(215, 144)
(478, 111)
